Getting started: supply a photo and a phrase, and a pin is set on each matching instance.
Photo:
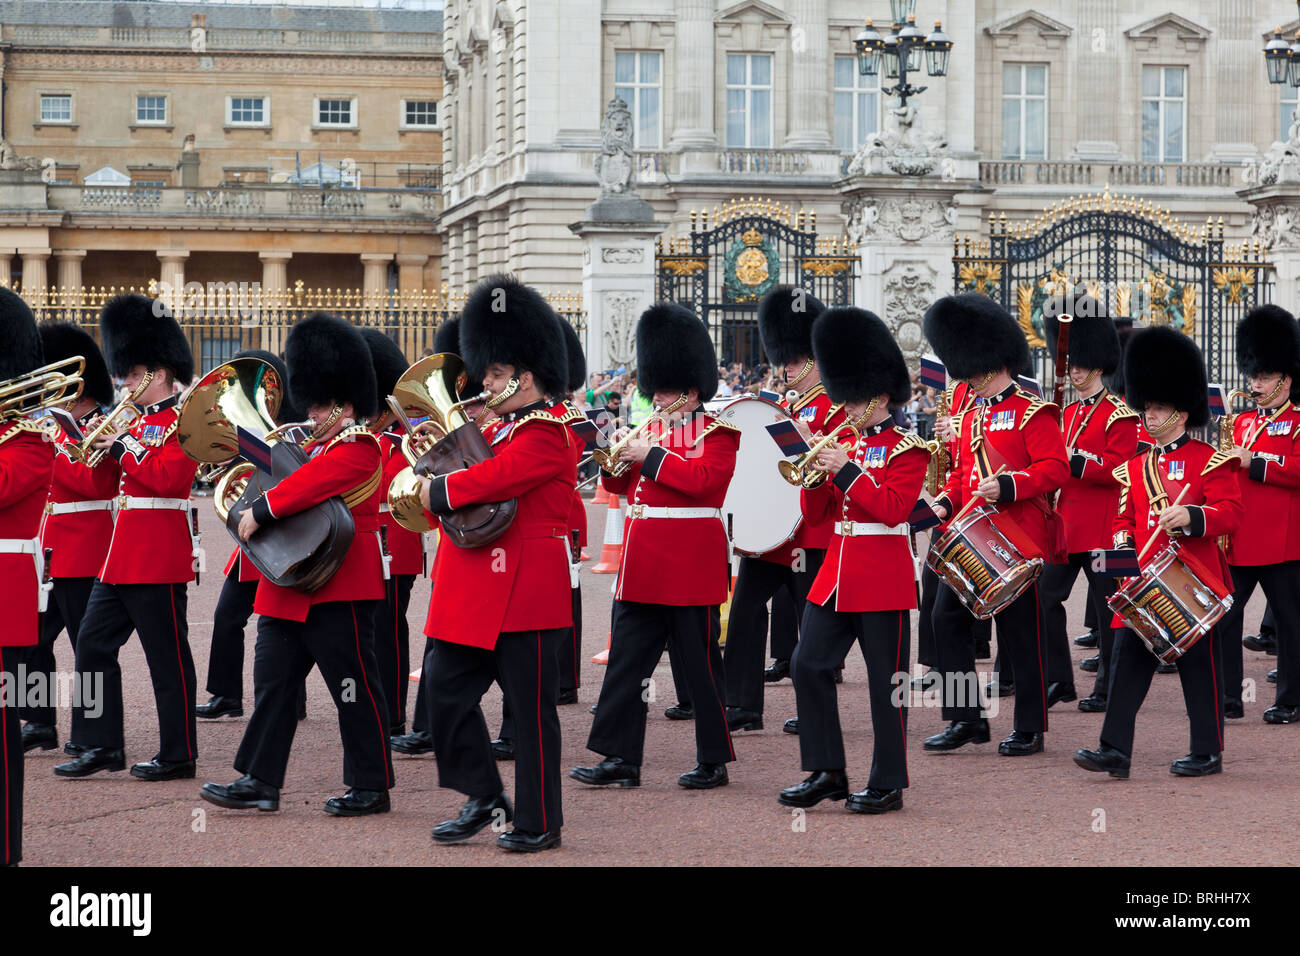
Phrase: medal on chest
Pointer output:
(152, 436)
(873, 456)
(1001, 421)
(1279, 428)
(1176, 470)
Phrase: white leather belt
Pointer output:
(384, 508)
(651, 511)
(858, 529)
(31, 546)
(132, 503)
(74, 507)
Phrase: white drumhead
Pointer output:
(764, 506)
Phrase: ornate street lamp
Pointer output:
(1282, 60)
(905, 50)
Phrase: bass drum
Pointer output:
(762, 508)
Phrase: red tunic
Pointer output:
(152, 545)
(567, 413)
(79, 539)
(1021, 435)
(520, 581)
(26, 463)
(346, 462)
(1213, 498)
(880, 485)
(1100, 435)
(815, 408)
(405, 546)
(1270, 488)
(678, 561)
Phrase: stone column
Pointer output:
(375, 283)
(904, 228)
(6, 266)
(410, 271)
(693, 75)
(1100, 63)
(35, 283)
(171, 279)
(1276, 223)
(275, 270)
(809, 100)
(69, 269)
(618, 284)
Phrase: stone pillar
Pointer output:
(1276, 223)
(188, 165)
(35, 283)
(809, 103)
(1100, 63)
(275, 270)
(618, 284)
(410, 271)
(69, 266)
(6, 267)
(904, 228)
(171, 279)
(693, 72)
(375, 282)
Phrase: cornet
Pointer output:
(121, 418)
(801, 471)
(608, 458)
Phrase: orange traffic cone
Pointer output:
(585, 557)
(611, 552)
(415, 675)
(603, 656)
(601, 496)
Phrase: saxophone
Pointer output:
(1228, 423)
(937, 471)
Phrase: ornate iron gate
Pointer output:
(735, 254)
(1131, 255)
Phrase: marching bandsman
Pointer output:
(77, 525)
(1164, 374)
(676, 481)
(142, 586)
(499, 610)
(1010, 454)
(1100, 435)
(866, 586)
(333, 626)
(1265, 548)
(570, 647)
(785, 319)
(405, 548)
(238, 590)
(26, 464)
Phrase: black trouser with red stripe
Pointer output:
(566, 660)
(157, 613)
(640, 634)
(338, 638)
(1056, 582)
(787, 612)
(226, 654)
(825, 637)
(927, 654)
(420, 714)
(523, 663)
(11, 768)
(67, 607)
(1281, 583)
(1201, 672)
(758, 582)
(393, 647)
(1020, 638)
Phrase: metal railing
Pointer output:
(222, 321)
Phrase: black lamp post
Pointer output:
(1282, 59)
(903, 51)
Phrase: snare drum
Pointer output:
(977, 556)
(1171, 605)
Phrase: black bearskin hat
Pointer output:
(322, 355)
(674, 352)
(1163, 366)
(1124, 332)
(138, 330)
(20, 343)
(973, 336)
(447, 338)
(1268, 341)
(388, 361)
(577, 375)
(63, 340)
(508, 322)
(289, 411)
(1094, 343)
(785, 318)
(858, 357)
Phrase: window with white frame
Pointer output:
(857, 104)
(1024, 111)
(1164, 114)
(1289, 106)
(150, 108)
(638, 81)
(56, 107)
(248, 110)
(749, 99)
(420, 113)
(331, 111)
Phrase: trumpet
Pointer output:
(126, 414)
(801, 471)
(607, 458)
(41, 388)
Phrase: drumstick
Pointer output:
(967, 506)
(1146, 547)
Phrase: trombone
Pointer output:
(42, 388)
